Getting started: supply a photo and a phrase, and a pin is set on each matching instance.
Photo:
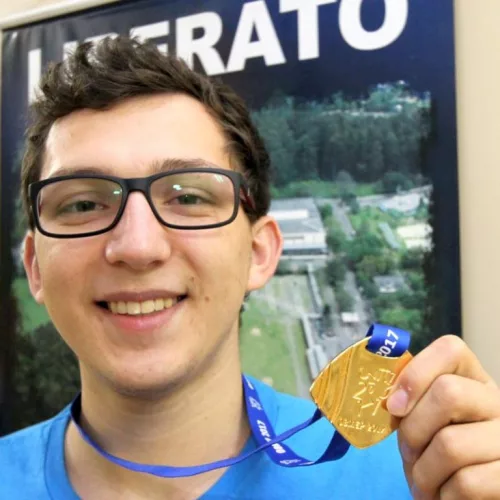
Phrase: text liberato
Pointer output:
(255, 35)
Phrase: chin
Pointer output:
(144, 383)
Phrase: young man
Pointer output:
(144, 279)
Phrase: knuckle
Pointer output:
(410, 377)
(451, 345)
(464, 485)
(447, 392)
(446, 445)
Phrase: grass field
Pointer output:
(269, 330)
(33, 315)
(266, 356)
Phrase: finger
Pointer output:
(450, 399)
(408, 470)
(448, 354)
(453, 448)
(476, 482)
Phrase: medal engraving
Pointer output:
(351, 392)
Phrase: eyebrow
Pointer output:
(156, 167)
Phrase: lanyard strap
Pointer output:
(385, 341)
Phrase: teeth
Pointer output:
(146, 307)
(133, 308)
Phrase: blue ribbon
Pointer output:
(384, 341)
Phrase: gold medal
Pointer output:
(351, 392)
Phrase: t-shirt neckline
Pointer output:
(56, 477)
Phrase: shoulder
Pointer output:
(22, 458)
(22, 445)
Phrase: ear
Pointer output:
(267, 243)
(31, 267)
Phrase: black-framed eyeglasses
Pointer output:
(87, 204)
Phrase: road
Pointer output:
(345, 335)
(375, 200)
(340, 214)
(358, 331)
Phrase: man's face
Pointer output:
(210, 269)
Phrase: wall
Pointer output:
(478, 83)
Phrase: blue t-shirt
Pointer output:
(32, 463)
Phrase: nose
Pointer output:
(139, 241)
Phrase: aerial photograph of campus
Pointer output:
(353, 207)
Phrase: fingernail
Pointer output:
(398, 402)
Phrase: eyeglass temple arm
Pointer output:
(247, 197)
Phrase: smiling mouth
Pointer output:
(129, 308)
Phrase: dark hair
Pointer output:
(98, 76)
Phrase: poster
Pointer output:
(356, 102)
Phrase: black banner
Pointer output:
(356, 102)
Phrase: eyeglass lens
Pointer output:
(85, 205)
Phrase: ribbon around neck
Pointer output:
(381, 342)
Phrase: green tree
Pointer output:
(346, 140)
(47, 376)
(383, 302)
(354, 206)
(336, 240)
(347, 195)
(373, 265)
(335, 272)
(406, 319)
(413, 300)
(377, 159)
(344, 301)
(345, 179)
(326, 211)
(416, 281)
(369, 290)
(365, 244)
(412, 259)
(393, 182)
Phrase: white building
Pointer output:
(416, 236)
(300, 223)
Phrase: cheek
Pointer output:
(220, 264)
(64, 268)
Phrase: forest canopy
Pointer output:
(365, 137)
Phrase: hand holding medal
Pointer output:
(445, 406)
(449, 429)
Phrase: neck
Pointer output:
(200, 420)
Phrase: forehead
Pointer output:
(130, 137)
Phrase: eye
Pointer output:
(189, 199)
(81, 206)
